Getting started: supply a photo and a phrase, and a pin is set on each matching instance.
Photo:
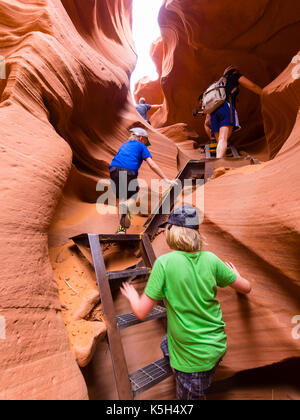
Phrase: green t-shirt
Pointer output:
(188, 284)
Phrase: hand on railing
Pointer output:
(172, 182)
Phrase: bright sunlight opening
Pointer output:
(145, 31)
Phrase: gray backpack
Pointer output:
(214, 96)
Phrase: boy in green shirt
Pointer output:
(187, 279)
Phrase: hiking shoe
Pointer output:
(126, 217)
(121, 230)
(125, 221)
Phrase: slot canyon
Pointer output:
(65, 109)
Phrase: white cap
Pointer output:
(137, 131)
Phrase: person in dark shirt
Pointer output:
(143, 108)
(221, 123)
(124, 170)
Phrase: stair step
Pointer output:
(150, 375)
(193, 169)
(125, 274)
(119, 238)
(128, 320)
(207, 151)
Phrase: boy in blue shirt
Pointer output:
(124, 169)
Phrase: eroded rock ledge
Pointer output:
(65, 109)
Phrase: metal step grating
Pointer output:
(150, 375)
(128, 320)
(119, 238)
(125, 274)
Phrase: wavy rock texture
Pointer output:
(201, 38)
(252, 214)
(261, 224)
(58, 102)
(281, 110)
(64, 112)
(151, 89)
(251, 219)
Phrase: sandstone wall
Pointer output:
(257, 211)
(58, 103)
(65, 110)
(202, 38)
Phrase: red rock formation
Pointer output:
(64, 112)
(151, 89)
(63, 86)
(65, 100)
(201, 38)
(261, 222)
(251, 219)
(281, 109)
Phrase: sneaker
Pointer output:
(125, 218)
(121, 230)
(125, 221)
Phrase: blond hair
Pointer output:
(184, 239)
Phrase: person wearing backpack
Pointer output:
(187, 279)
(219, 105)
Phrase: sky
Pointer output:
(145, 31)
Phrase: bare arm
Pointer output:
(241, 285)
(207, 126)
(156, 106)
(141, 305)
(250, 85)
(158, 171)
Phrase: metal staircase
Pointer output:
(194, 169)
(129, 385)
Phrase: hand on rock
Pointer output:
(233, 268)
(172, 182)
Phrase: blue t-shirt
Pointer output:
(131, 156)
(142, 109)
